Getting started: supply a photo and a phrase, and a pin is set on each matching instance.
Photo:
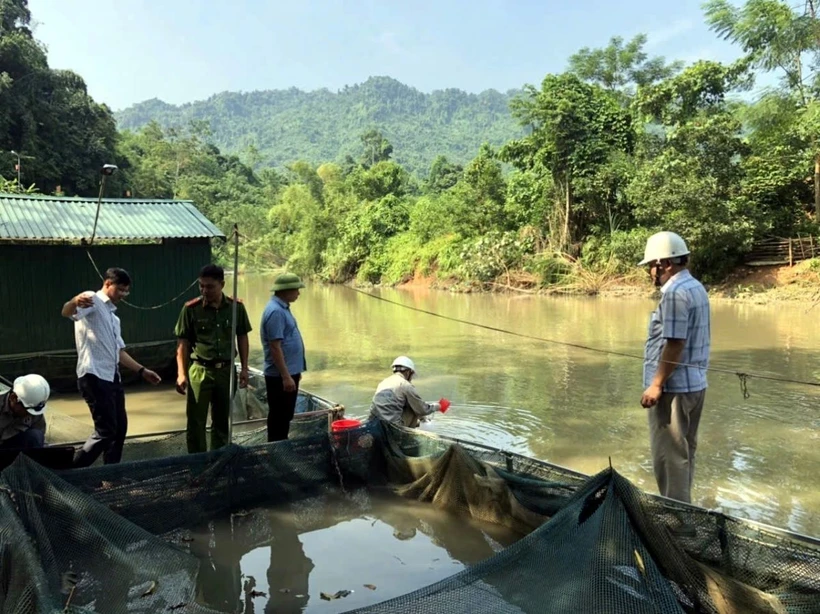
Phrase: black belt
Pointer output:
(213, 364)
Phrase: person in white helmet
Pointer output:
(676, 357)
(396, 399)
(22, 424)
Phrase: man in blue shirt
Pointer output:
(676, 357)
(284, 355)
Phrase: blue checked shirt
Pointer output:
(683, 313)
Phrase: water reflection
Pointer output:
(219, 583)
(372, 543)
(289, 570)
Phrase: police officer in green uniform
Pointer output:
(203, 334)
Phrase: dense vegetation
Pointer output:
(48, 112)
(614, 148)
(323, 126)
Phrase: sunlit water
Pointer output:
(374, 545)
(759, 457)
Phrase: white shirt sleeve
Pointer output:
(84, 311)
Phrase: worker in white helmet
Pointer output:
(396, 399)
(22, 424)
(676, 357)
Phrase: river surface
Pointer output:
(758, 457)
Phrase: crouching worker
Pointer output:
(397, 401)
(22, 424)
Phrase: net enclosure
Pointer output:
(111, 538)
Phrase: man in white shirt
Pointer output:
(100, 351)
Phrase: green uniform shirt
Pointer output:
(208, 329)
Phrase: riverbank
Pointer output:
(757, 285)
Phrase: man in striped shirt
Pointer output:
(676, 357)
(100, 352)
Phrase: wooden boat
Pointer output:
(313, 413)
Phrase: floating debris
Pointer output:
(69, 580)
(178, 606)
(404, 535)
(639, 561)
(152, 587)
(372, 587)
(284, 590)
(254, 594)
(336, 595)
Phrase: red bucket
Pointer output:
(344, 425)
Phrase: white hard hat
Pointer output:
(663, 246)
(403, 361)
(32, 391)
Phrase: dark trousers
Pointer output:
(281, 407)
(106, 400)
(31, 438)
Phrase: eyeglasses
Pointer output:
(36, 408)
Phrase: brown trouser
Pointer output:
(673, 435)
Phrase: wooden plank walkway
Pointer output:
(776, 251)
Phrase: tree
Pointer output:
(700, 88)
(774, 35)
(480, 195)
(47, 114)
(693, 186)
(775, 170)
(304, 223)
(443, 175)
(620, 66)
(305, 173)
(574, 128)
(378, 181)
(14, 17)
(376, 148)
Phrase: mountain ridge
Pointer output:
(321, 125)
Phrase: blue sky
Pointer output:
(185, 50)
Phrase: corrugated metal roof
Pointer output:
(37, 218)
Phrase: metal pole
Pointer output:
(19, 167)
(97, 215)
(232, 388)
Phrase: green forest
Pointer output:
(324, 126)
(570, 178)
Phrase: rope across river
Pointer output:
(742, 376)
(233, 234)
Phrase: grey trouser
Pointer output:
(673, 435)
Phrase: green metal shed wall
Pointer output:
(35, 281)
